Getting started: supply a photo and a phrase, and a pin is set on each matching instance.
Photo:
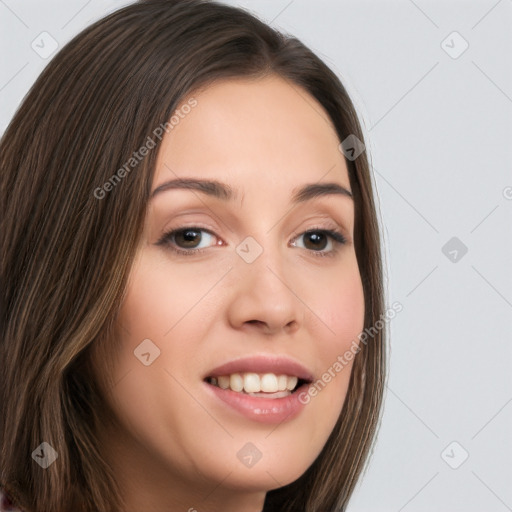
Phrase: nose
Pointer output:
(263, 298)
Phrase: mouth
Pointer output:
(262, 388)
(261, 385)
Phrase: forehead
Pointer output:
(249, 130)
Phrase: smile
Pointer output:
(267, 385)
(250, 387)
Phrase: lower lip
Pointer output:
(263, 410)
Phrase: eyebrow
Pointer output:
(224, 192)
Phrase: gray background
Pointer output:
(439, 135)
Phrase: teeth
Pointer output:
(236, 382)
(256, 383)
(268, 383)
(291, 383)
(252, 383)
(223, 382)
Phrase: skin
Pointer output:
(174, 447)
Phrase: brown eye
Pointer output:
(321, 242)
(187, 238)
(315, 240)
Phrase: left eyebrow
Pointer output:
(313, 190)
(224, 192)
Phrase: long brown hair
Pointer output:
(66, 253)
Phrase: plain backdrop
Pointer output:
(432, 82)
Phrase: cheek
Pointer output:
(145, 304)
(341, 309)
(158, 298)
(344, 309)
(338, 312)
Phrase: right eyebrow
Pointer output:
(212, 188)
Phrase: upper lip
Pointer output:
(279, 365)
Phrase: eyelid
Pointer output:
(164, 239)
(334, 233)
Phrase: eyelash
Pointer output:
(337, 238)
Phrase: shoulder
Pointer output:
(6, 504)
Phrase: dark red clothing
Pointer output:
(6, 504)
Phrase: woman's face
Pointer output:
(237, 303)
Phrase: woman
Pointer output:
(190, 256)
